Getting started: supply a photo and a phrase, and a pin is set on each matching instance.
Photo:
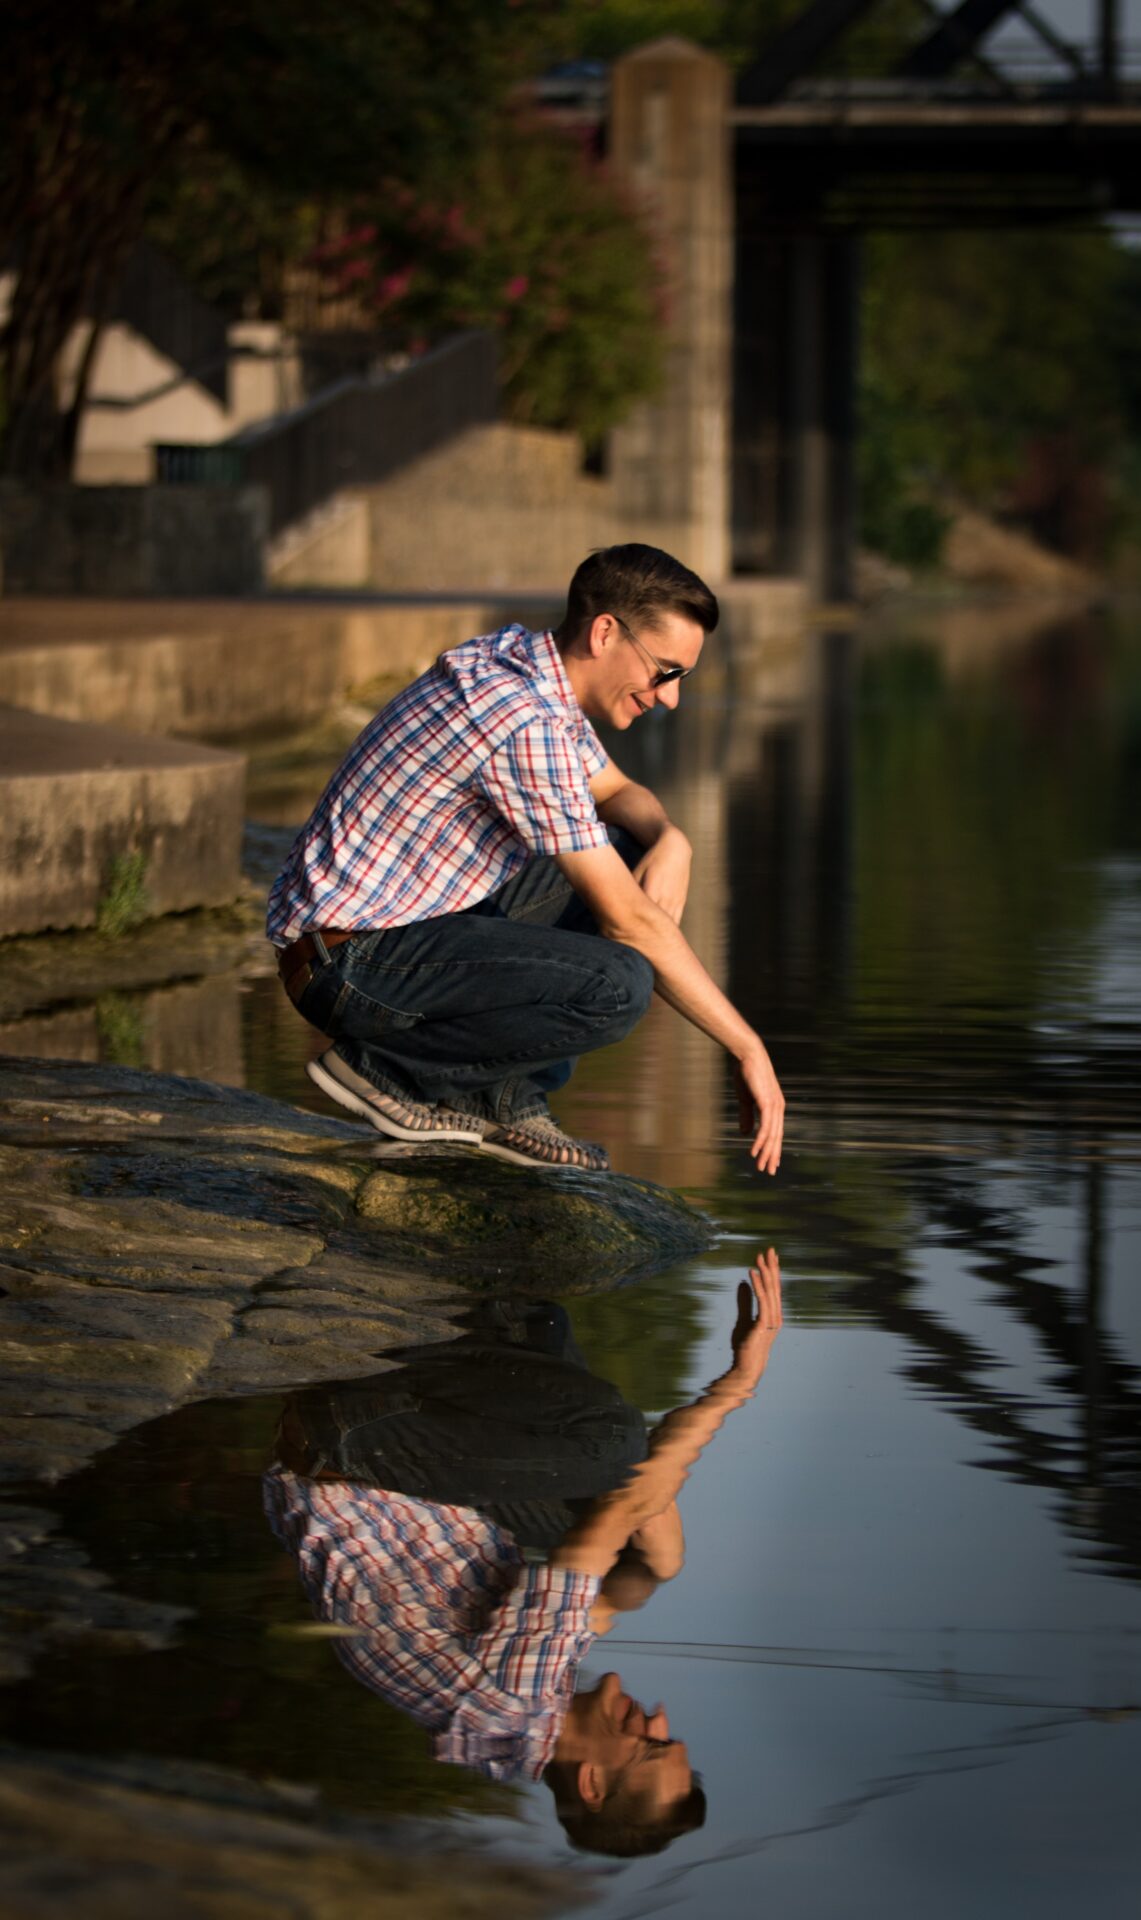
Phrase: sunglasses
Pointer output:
(663, 676)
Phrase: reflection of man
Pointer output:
(452, 1617)
(480, 894)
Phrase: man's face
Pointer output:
(619, 685)
(625, 1740)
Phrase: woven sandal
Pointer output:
(402, 1119)
(538, 1141)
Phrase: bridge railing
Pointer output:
(354, 433)
(1022, 71)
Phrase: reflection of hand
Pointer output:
(663, 872)
(760, 1103)
(752, 1340)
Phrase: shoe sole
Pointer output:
(356, 1103)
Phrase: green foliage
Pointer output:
(893, 520)
(975, 344)
(739, 29)
(538, 246)
(735, 29)
(111, 109)
(126, 901)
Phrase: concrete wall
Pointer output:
(222, 667)
(500, 508)
(131, 540)
(76, 797)
(218, 668)
(670, 143)
(330, 548)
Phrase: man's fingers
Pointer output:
(765, 1277)
(766, 1147)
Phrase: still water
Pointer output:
(904, 1650)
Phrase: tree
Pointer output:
(99, 106)
(975, 346)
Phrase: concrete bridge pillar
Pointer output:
(670, 143)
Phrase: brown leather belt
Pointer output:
(295, 963)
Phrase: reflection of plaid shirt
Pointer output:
(482, 762)
(454, 1628)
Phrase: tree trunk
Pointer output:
(68, 269)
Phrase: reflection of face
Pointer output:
(622, 689)
(635, 1745)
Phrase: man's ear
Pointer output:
(600, 635)
(591, 1783)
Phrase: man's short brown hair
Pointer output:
(639, 584)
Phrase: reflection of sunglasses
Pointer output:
(663, 676)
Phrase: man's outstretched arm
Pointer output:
(626, 913)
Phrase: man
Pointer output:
(480, 893)
(474, 1615)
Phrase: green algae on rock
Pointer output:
(541, 1230)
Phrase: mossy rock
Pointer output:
(165, 1239)
(533, 1230)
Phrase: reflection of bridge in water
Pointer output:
(948, 135)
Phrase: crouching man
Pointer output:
(480, 894)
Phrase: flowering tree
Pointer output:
(533, 241)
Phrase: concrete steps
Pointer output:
(91, 810)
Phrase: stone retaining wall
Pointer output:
(77, 798)
(132, 540)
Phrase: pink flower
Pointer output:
(516, 287)
(394, 286)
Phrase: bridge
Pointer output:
(963, 131)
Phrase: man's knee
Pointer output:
(632, 978)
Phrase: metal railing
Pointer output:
(1023, 72)
(352, 434)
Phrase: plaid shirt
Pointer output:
(452, 1625)
(481, 763)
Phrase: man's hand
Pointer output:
(663, 872)
(752, 1340)
(760, 1104)
(625, 911)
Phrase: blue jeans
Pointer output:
(483, 1010)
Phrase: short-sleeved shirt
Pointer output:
(441, 1615)
(482, 763)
